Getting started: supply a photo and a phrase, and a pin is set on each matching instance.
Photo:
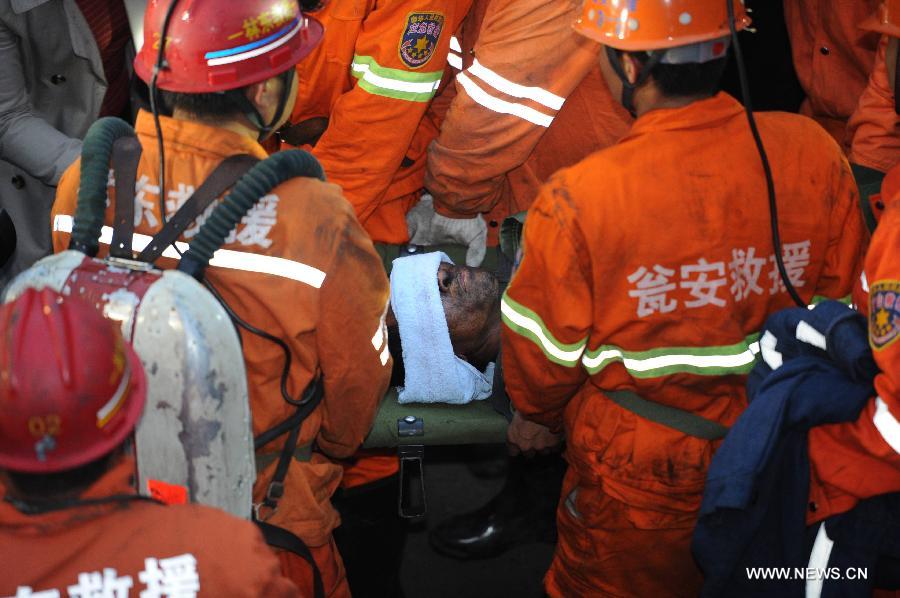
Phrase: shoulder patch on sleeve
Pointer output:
(884, 313)
(420, 38)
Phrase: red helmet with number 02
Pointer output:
(71, 388)
(217, 45)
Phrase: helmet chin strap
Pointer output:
(252, 113)
(628, 87)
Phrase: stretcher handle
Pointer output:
(92, 188)
(257, 183)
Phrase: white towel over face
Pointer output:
(434, 374)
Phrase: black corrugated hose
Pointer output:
(92, 189)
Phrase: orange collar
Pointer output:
(696, 115)
(196, 137)
(118, 480)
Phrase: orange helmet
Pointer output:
(886, 19)
(643, 25)
(71, 389)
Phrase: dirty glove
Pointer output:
(427, 227)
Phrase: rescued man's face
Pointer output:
(470, 298)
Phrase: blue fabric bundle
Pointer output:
(816, 368)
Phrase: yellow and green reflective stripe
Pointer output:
(528, 324)
(705, 361)
(395, 83)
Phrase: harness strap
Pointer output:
(220, 180)
(279, 537)
(671, 417)
(126, 154)
(289, 450)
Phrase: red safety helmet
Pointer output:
(886, 19)
(217, 45)
(71, 389)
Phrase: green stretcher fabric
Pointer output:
(474, 423)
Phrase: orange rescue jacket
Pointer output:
(850, 462)
(649, 267)
(529, 101)
(373, 76)
(330, 309)
(872, 129)
(134, 546)
(832, 56)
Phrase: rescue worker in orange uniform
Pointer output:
(299, 266)
(362, 96)
(362, 99)
(71, 393)
(530, 99)
(851, 462)
(648, 270)
(526, 84)
(872, 129)
(833, 57)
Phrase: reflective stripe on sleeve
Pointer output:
(528, 324)
(705, 361)
(380, 338)
(222, 258)
(502, 106)
(454, 44)
(886, 424)
(455, 60)
(395, 83)
(502, 84)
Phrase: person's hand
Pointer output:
(523, 436)
(427, 227)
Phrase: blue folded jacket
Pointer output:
(815, 367)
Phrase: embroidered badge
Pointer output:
(884, 313)
(420, 38)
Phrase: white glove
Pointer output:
(427, 227)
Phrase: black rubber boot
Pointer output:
(524, 511)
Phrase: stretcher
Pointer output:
(434, 423)
(413, 426)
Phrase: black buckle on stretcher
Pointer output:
(411, 502)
